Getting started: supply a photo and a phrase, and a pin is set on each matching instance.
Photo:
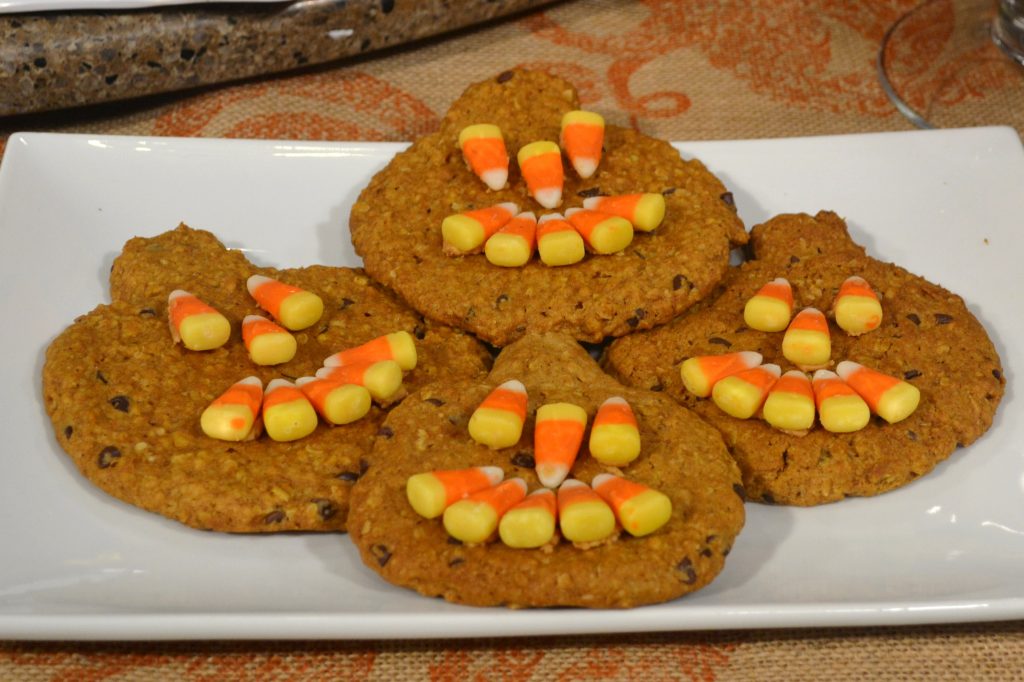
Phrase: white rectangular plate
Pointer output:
(76, 563)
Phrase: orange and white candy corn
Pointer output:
(432, 492)
(558, 242)
(771, 307)
(531, 523)
(475, 518)
(614, 437)
(644, 211)
(890, 398)
(640, 510)
(512, 246)
(742, 394)
(235, 415)
(382, 379)
(856, 307)
(840, 409)
(790, 403)
(807, 342)
(557, 435)
(397, 346)
(466, 232)
(287, 413)
(483, 148)
(541, 166)
(195, 324)
(498, 421)
(582, 138)
(604, 233)
(337, 403)
(582, 515)
(268, 343)
(293, 307)
(701, 372)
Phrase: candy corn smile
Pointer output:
(466, 232)
(644, 211)
(291, 306)
(195, 324)
(234, 416)
(498, 421)
(433, 492)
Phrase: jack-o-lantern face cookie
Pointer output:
(459, 506)
(591, 277)
(130, 405)
(903, 372)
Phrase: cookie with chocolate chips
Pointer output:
(680, 456)
(927, 337)
(125, 401)
(396, 226)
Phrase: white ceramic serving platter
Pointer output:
(17, 6)
(75, 563)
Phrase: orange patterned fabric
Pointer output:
(678, 69)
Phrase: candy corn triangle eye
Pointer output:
(287, 413)
(701, 373)
(235, 415)
(614, 437)
(644, 211)
(856, 307)
(541, 166)
(582, 515)
(383, 379)
(557, 435)
(512, 246)
(558, 242)
(840, 409)
(498, 421)
(337, 403)
(475, 518)
(267, 343)
(398, 346)
(770, 308)
(807, 343)
(483, 148)
(890, 398)
(432, 492)
(194, 323)
(603, 233)
(294, 308)
(790, 403)
(742, 394)
(640, 510)
(582, 138)
(466, 232)
(531, 523)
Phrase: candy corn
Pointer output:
(582, 515)
(557, 435)
(541, 166)
(291, 306)
(742, 394)
(890, 398)
(267, 342)
(603, 233)
(614, 437)
(856, 308)
(512, 246)
(337, 403)
(582, 137)
(483, 148)
(531, 523)
(498, 421)
(790, 403)
(640, 510)
(644, 211)
(287, 413)
(432, 492)
(558, 242)
(807, 343)
(195, 324)
(770, 308)
(397, 346)
(475, 518)
(235, 414)
(840, 409)
(466, 232)
(383, 379)
(701, 373)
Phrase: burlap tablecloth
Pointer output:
(683, 70)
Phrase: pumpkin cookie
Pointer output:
(927, 338)
(680, 457)
(396, 224)
(126, 401)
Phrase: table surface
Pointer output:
(682, 70)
